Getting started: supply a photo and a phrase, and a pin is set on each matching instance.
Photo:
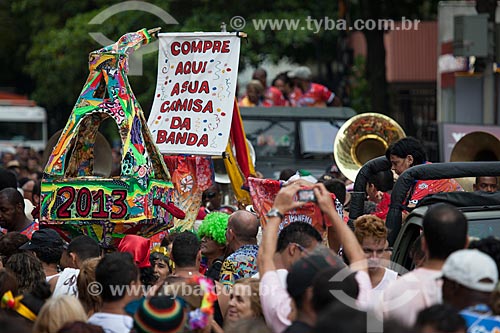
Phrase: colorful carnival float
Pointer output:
(77, 198)
(194, 117)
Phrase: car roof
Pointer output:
(293, 113)
(472, 204)
(430, 172)
(464, 199)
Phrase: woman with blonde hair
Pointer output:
(244, 302)
(56, 312)
(92, 303)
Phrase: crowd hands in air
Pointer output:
(226, 277)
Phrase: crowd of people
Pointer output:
(290, 88)
(224, 277)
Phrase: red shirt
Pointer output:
(383, 206)
(316, 96)
(29, 230)
(273, 97)
(424, 188)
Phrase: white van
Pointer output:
(22, 124)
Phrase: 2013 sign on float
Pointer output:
(89, 204)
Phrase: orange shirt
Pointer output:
(245, 102)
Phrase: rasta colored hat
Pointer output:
(160, 314)
(214, 225)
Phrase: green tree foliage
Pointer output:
(45, 43)
(375, 59)
(360, 100)
(51, 41)
(299, 45)
(52, 55)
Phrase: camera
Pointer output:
(306, 196)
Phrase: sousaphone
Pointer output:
(362, 138)
(475, 146)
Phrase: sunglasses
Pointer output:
(301, 248)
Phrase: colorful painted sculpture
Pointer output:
(76, 197)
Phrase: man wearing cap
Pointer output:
(14, 166)
(469, 278)
(75, 253)
(48, 247)
(310, 94)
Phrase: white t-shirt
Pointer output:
(404, 298)
(66, 283)
(112, 323)
(50, 277)
(282, 273)
(389, 276)
(375, 296)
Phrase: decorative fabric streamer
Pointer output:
(239, 165)
(14, 303)
(171, 208)
(199, 318)
(239, 141)
(264, 191)
(191, 176)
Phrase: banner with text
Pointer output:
(195, 92)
